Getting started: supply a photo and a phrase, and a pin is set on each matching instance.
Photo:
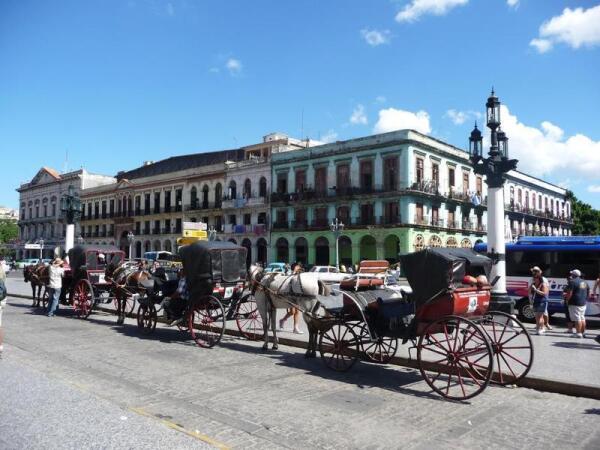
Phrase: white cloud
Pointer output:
(460, 117)
(513, 3)
(575, 27)
(545, 150)
(376, 37)
(416, 8)
(595, 188)
(380, 99)
(392, 119)
(541, 45)
(234, 66)
(170, 9)
(358, 116)
(330, 136)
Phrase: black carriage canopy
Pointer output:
(432, 271)
(209, 262)
(80, 256)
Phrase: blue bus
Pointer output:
(556, 256)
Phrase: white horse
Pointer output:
(277, 291)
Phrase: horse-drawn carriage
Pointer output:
(446, 317)
(89, 280)
(215, 274)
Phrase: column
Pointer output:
(254, 250)
(312, 252)
(291, 180)
(331, 175)
(496, 238)
(378, 211)
(354, 172)
(379, 249)
(378, 167)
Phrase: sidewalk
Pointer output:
(557, 355)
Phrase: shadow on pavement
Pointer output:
(576, 344)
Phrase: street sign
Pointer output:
(199, 234)
(33, 247)
(195, 226)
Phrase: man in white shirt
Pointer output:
(56, 273)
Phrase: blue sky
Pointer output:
(114, 83)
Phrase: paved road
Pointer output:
(79, 378)
(558, 356)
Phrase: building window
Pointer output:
(321, 216)
(138, 228)
(247, 188)
(205, 197)
(435, 174)
(419, 243)
(218, 223)
(262, 187)
(218, 195)
(519, 197)
(451, 180)
(366, 175)
(177, 226)
(479, 186)
(247, 219)
(112, 206)
(321, 180)
(232, 219)
(435, 217)
(282, 217)
(300, 217)
(138, 205)
(167, 201)
(205, 219)
(194, 197)
(96, 210)
(420, 170)
(390, 173)
(282, 183)
(342, 176)
(300, 180)
(465, 182)
(451, 222)
(262, 218)
(343, 214)
(419, 212)
(156, 202)
(391, 215)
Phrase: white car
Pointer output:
(328, 274)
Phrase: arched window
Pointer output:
(466, 243)
(451, 242)
(218, 195)
(194, 197)
(247, 188)
(262, 187)
(232, 190)
(419, 242)
(435, 241)
(205, 197)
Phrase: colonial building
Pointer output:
(246, 205)
(40, 218)
(395, 192)
(227, 190)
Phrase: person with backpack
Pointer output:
(2, 305)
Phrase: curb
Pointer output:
(536, 383)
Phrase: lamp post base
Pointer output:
(500, 301)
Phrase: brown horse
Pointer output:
(127, 279)
(38, 276)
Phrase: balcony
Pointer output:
(280, 225)
(538, 213)
(156, 231)
(299, 225)
(243, 202)
(146, 231)
(421, 220)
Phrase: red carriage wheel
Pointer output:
(455, 358)
(381, 350)
(206, 321)
(45, 298)
(146, 318)
(83, 299)
(338, 346)
(511, 345)
(248, 319)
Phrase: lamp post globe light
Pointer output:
(70, 205)
(337, 228)
(130, 238)
(494, 168)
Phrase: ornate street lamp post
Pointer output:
(337, 228)
(70, 205)
(130, 238)
(494, 168)
(41, 242)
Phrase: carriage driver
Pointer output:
(175, 305)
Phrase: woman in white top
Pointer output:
(56, 273)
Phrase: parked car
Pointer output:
(276, 267)
(27, 262)
(158, 256)
(328, 274)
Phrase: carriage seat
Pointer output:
(366, 277)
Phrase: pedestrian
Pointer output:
(570, 323)
(293, 312)
(55, 275)
(2, 305)
(538, 294)
(576, 295)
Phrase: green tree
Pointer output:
(8, 232)
(586, 220)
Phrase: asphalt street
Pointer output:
(67, 383)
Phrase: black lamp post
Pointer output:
(70, 205)
(494, 168)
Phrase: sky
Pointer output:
(108, 84)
